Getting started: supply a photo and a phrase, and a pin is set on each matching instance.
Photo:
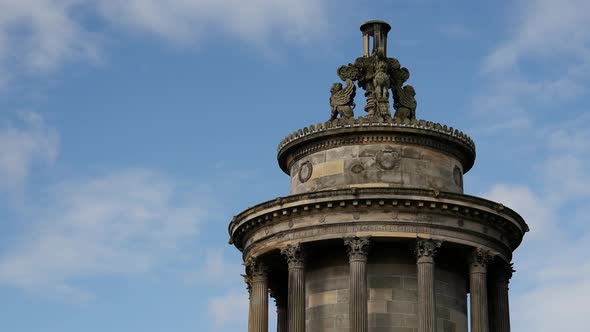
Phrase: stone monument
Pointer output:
(377, 234)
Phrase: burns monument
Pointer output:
(377, 234)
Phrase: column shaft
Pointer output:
(358, 296)
(296, 300)
(282, 319)
(499, 304)
(426, 301)
(425, 251)
(259, 305)
(479, 292)
(257, 279)
(247, 279)
(500, 319)
(296, 288)
(358, 249)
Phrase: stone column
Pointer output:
(280, 296)
(357, 249)
(296, 288)
(479, 294)
(425, 251)
(258, 278)
(366, 51)
(249, 287)
(499, 306)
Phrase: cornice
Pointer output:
(399, 199)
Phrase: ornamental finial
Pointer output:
(377, 75)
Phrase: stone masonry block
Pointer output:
(383, 294)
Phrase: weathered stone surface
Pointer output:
(398, 181)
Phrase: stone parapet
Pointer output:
(365, 122)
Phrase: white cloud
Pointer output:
(124, 223)
(553, 307)
(546, 28)
(252, 20)
(230, 309)
(25, 139)
(40, 35)
(552, 264)
(532, 208)
(215, 268)
(543, 65)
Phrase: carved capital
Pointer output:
(295, 256)
(357, 248)
(280, 297)
(426, 249)
(503, 272)
(256, 271)
(480, 258)
(248, 282)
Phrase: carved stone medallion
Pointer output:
(305, 171)
(388, 159)
(357, 168)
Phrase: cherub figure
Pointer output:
(342, 100)
(381, 82)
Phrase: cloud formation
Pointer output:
(230, 309)
(122, 223)
(546, 28)
(25, 139)
(552, 264)
(553, 38)
(215, 268)
(40, 35)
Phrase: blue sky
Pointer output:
(132, 131)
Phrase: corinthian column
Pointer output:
(357, 249)
(479, 293)
(280, 296)
(296, 288)
(499, 307)
(258, 281)
(425, 251)
(249, 287)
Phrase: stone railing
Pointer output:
(365, 122)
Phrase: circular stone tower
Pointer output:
(377, 234)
